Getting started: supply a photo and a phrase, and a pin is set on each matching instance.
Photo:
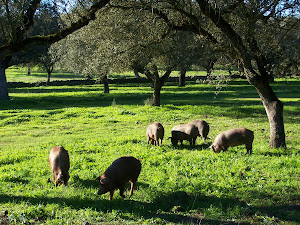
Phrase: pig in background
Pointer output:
(155, 133)
(203, 128)
(60, 164)
(122, 170)
(182, 132)
(233, 137)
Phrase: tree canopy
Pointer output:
(261, 35)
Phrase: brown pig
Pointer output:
(116, 176)
(60, 164)
(182, 132)
(155, 132)
(233, 137)
(203, 128)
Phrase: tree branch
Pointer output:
(232, 7)
(149, 75)
(27, 19)
(215, 16)
(259, 57)
(14, 47)
(186, 27)
(165, 76)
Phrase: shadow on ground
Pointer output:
(176, 207)
(239, 100)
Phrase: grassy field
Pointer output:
(177, 185)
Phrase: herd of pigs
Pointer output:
(128, 168)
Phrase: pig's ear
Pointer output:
(104, 180)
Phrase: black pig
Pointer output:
(116, 176)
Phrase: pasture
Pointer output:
(177, 185)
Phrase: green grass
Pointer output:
(180, 185)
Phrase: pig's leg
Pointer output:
(132, 187)
(249, 148)
(111, 194)
(122, 189)
(54, 175)
(194, 141)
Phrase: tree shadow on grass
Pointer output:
(237, 103)
(169, 207)
(16, 180)
(159, 208)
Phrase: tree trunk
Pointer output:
(274, 110)
(104, 80)
(48, 77)
(182, 78)
(28, 71)
(157, 83)
(136, 73)
(3, 82)
(156, 93)
(49, 71)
